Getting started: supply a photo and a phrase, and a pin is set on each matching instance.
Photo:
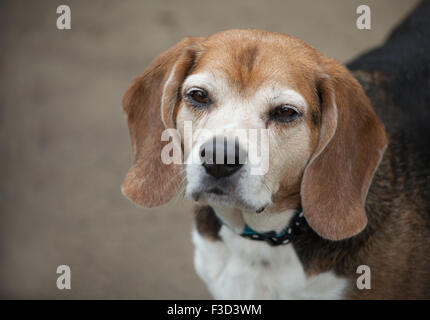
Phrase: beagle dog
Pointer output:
(338, 191)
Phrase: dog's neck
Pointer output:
(262, 222)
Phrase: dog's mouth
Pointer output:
(214, 193)
(221, 196)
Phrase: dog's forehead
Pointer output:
(249, 60)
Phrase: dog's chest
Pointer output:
(238, 268)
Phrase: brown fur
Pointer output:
(142, 105)
(207, 223)
(395, 243)
(352, 142)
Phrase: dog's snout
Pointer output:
(221, 157)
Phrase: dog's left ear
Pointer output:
(351, 144)
(150, 104)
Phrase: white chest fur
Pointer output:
(238, 268)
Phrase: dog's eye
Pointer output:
(284, 113)
(197, 97)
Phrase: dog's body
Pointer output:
(395, 245)
(238, 268)
(365, 201)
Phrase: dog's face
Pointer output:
(237, 86)
(252, 95)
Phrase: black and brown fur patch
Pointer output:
(207, 223)
(396, 242)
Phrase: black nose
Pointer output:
(221, 157)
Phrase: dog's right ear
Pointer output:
(150, 105)
(351, 144)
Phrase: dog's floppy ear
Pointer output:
(150, 105)
(351, 144)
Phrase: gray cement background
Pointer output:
(64, 146)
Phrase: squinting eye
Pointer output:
(284, 113)
(198, 97)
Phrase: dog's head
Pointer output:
(263, 122)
